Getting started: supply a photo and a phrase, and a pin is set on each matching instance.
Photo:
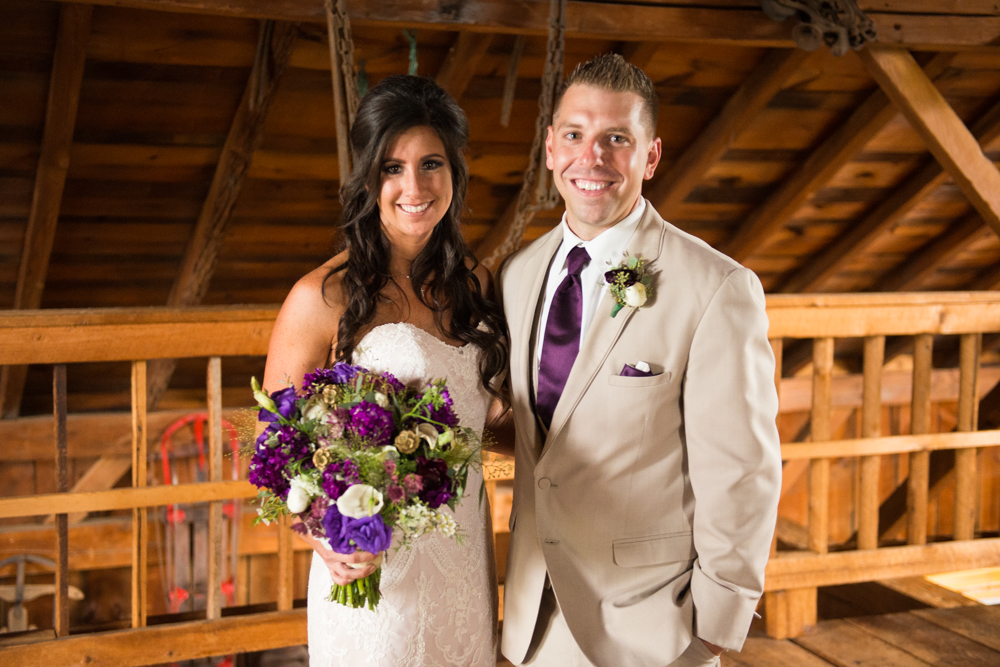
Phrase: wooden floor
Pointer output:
(959, 637)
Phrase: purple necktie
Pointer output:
(562, 336)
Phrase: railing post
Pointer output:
(62, 486)
(920, 423)
(139, 525)
(871, 427)
(213, 602)
(286, 565)
(819, 469)
(966, 482)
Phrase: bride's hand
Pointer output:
(342, 573)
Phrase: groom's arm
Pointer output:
(734, 458)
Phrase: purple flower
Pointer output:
(389, 380)
(445, 414)
(413, 483)
(395, 493)
(331, 485)
(342, 373)
(437, 485)
(268, 465)
(371, 423)
(345, 534)
(627, 277)
(287, 406)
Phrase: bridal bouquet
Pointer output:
(357, 456)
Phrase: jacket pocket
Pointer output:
(655, 550)
(639, 381)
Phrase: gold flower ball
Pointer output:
(322, 458)
(407, 442)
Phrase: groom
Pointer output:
(648, 463)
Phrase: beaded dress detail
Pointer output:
(439, 598)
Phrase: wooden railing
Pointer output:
(138, 335)
(792, 576)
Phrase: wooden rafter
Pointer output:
(920, 266)
(948, 139)
(988, 280)
(50, 178)
(885, 216)
(245, 134)
(748, 100)
(639, 53)
(497, 234)
(873, 114)
(460, 65)
(897, 21)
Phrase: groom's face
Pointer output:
(600, 149)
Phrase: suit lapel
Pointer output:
(605, 330)
(530, 296)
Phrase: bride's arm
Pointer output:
(300, 343)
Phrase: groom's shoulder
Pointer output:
(681, 248)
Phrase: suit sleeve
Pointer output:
(734, 458)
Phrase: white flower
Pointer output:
(298, 497)
(260, 513)
(635, 295)
(360, 501)
(315, 408)
(381, 399)
(428, 433)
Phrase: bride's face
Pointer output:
(416, 186)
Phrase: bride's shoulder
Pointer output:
(318, 295)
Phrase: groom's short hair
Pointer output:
(612, 72)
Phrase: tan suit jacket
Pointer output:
(651, 501)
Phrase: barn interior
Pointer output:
(173, 163)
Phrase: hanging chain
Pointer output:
(345, 51)
(537, 183)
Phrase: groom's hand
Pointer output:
(717, 650)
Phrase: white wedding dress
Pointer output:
(439, 598)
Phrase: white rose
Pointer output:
(381, 399)
(635, 295)
(428, 433)
(298, 497)
(315, 408)
(360, 501)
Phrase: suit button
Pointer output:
(544, 483)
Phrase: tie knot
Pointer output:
(578, 258)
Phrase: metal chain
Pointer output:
(537, 184)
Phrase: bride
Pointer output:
(405, 296)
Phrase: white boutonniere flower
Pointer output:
(629, 283)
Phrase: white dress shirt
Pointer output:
(606, 250)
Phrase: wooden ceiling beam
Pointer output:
(53, 161)
(988, 280)
(711, 144)
(639, 53)
(462, 61)
(948, 139)
(884, 217)
(897, 21)
(274, 50)
(781, 206)
(916, 269)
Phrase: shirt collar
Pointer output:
(608, 246)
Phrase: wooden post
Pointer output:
(919, 478)
(819, 469)
(62, 486)
(871, 427)
(139, 527)
(214, 596)
(777, 347)
(790, 613)
(966, 482)
(286, 564)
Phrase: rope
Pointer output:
(537, 184)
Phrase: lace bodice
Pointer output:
(439, 598)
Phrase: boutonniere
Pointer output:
(629, 283)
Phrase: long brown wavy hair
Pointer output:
(442, 274)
